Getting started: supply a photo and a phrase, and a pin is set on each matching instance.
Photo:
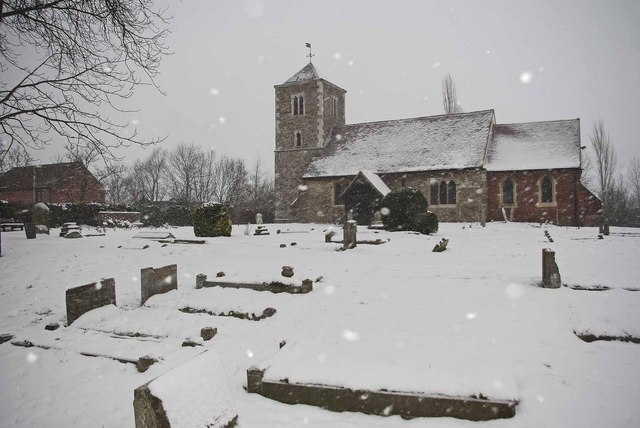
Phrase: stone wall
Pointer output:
(82, 299)
(157, 281)
(316, 203)
(589, 208)
(527, 207)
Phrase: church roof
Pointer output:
(46, 176)
(308, 72)
(429, 143)
(535, 145)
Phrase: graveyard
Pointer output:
(307, 325)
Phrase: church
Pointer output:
(469, 168)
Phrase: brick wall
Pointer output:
(590, 208)
(81, 187)
(527, 206)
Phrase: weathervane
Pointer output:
(310, 54)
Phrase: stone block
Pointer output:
(194, 394)
(208, 333)
(350, 229)
(158, 281)
(80, 300)
(384, 403)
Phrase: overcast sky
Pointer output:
(527, 60)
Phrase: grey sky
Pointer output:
(582, 58)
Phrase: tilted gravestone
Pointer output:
(82, 299)
(157, 281)
(550, 272)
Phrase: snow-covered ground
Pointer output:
(470, 320)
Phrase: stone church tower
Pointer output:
(307, 109)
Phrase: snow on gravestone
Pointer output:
(194, 394)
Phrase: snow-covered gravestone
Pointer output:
(194, 394)
(40, 217)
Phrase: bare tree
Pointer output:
(116, 185)
(450, 96)
(66, 63)
(605, 164)
(634, 178)
(230, 181)
(14, 157)
(183, 164)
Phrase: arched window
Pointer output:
(298, 139)
(507, 192)
(301, 104)
(295, 106)
(451, 193)
(546, 190)
(434, 193)
(443, 192)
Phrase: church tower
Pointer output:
(307, 109)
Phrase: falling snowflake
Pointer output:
(385, 211)
(135, 121)
(32, 357)
(526, 77)
(330, 289)
(436, 64)
(167, 279)
(471, 315)
(338, 137)
(302, 188)
(222, 119)
(337, 55)
(214, 91)
(98, 285)
(350, 335)
(134, 278)
(249, 353)
(350, 63)
(387, 410)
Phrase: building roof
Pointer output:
(46, 176)
(373, 179)
(429, 143)
(535, 145)
(308, 72)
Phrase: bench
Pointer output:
(8, 224)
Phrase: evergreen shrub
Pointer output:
(427, 223)
(400, 208)
(212, 220)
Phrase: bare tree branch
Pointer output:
(450, 96)
(92, 55)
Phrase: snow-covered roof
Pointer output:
(308, 72)
(376, 182)
(421, 144)
(535, 145)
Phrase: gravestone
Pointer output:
(550, 272)
(82, 299)
(349, 230)
(258, 218)
(157, 281)
(30, 230)
(194, 394)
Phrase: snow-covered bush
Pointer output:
(427, 223)
(212, 220)
(400, 208)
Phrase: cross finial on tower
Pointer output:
(310, 55)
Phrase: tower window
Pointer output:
(334, 106)
(298, 105)
(298, 138)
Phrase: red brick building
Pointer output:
(58, 182)
(468, 167)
